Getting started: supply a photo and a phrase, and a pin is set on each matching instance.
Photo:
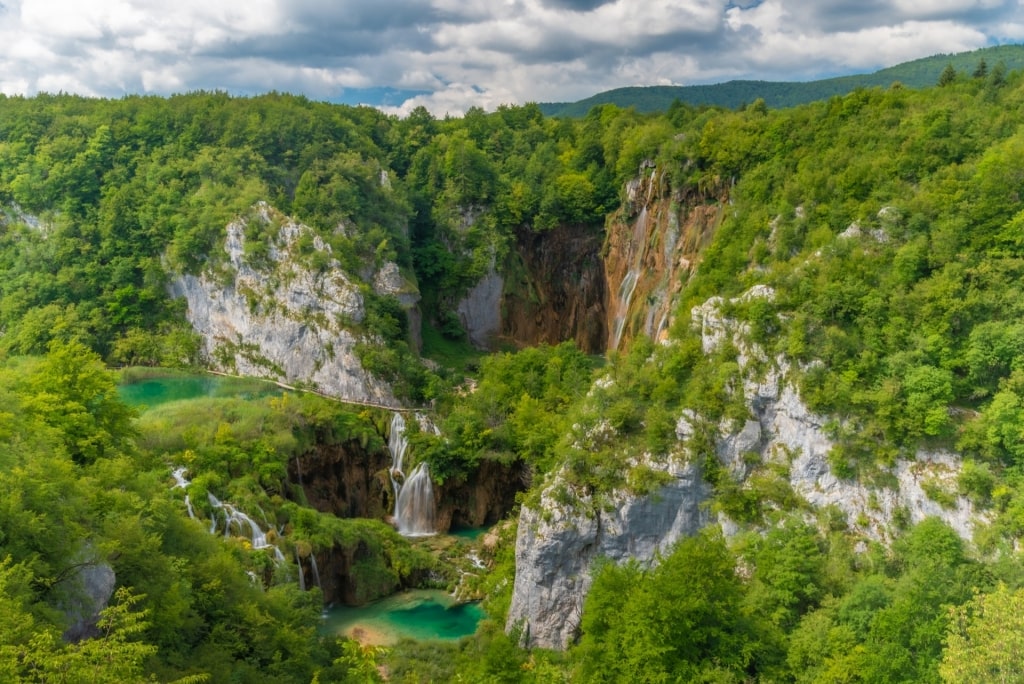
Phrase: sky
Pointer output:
(449, 55)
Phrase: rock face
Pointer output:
(783, 431)
(389, 281)
(483, 498)
(550, 288)
(653, 244)
(480, 310)
(353, 575)
(557, 545)
(558, 542)
(556, 289)
(344, 479)
(350, 482)
(90, 587)
(279, 317)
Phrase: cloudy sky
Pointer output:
(452, 54)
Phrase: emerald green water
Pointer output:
(417, 614)
(468, 533)
(161, 390)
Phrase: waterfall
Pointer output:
(316, 571)
(233, 518)
(637, 247)
(626, 290)
(302, 576)
(414, 495)
(179, 478)
(397, 444)
(414, 509)
(238, 520)
(180, 481)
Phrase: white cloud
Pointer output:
(470, 52)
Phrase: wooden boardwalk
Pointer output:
(340, 400)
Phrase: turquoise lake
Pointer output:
(161, 390)
(416, 614)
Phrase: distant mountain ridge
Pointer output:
(919, 73)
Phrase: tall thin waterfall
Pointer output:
(302, 576)
(414, 495)
(316, 571)
(629, 282)
(397, 444)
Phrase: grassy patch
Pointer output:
(459, 355)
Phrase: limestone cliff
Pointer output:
(784, 432)
(560, 538)
(284, 316)
(557, 544)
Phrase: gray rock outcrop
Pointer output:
(558, 542)
(480, 310)
(281, 318)
(89, 589)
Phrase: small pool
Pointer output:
(468, 533)
(423, 614)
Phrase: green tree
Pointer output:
(948, 76)
(985, 641)
(72, 391)
(683, 620)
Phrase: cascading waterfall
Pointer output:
(180, 481)
(233, 518)
(238, 520)
(414, 495)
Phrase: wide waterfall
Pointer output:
(414, 509)
(414, 495)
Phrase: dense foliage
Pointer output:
(86, 486)
(887, 222)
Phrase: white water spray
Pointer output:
(414, 495)
(234, 519)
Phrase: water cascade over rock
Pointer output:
(415, 505)
(234, 519)
(652, 245)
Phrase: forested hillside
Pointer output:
(881, 235)
(920, 73)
